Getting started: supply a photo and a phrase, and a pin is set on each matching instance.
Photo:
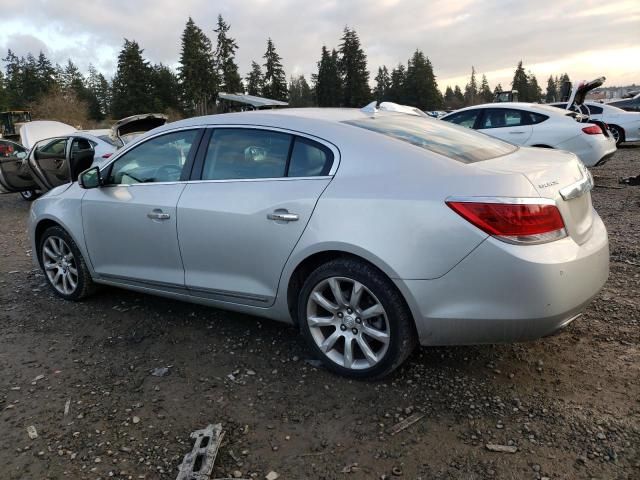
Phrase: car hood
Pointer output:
(33, 132)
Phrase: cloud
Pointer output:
(491, 35)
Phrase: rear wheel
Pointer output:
(63, 265)
(355, 320)
(617, 133)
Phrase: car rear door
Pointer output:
(511, 125)
(130, 222)
(254, 193)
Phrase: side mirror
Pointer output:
(21, 155)
(90, 178)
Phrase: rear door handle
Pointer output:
(516, 133)
(157, 214)
(283, 216)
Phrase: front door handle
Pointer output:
(283, 216)
(157, 214)
(516, 133)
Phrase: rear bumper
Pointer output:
(591, 149)
(505, 293)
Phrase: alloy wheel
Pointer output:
(60, 265)
(348, 323)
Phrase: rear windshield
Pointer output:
(457, 143)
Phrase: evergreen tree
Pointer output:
(327, 83)
(498, 89)
(421, 88)
(458, 98)
(521, 83)
(31, 87)
(131, 92)
(552, 91)
(354, 72)
(534, 92)
(230, 80)
(164, 89)
(255, 80)
(471, 89)
(275, 82)
(4, 104)
(13, 81)
(93, 102)
(485, 93)
(448, 97)
(383, 84)
(564, 87)
(46, 73)
(198, 78)
(300, 94)
(397, 91)
(73, 80)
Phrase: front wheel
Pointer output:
(355, 320)
(63, 265)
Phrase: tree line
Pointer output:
(207, 67)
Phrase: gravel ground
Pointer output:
(570, 404)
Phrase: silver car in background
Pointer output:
(372, 231)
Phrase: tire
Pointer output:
(29, 195)
(618, 134)
(383, 311)
(60, 257)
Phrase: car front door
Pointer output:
(511, 125)
(15, 175)
(239, 222)
(130, 222)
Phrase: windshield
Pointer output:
(457, 143)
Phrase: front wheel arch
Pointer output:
(542, 146)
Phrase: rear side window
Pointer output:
(594, 109)
(457, 143)
(242, 153)
(309, 159)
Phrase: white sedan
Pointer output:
(534, 125)
(624, 126)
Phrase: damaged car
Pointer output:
(299, 215)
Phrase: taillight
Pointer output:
(107, 155)
(592, 130)
(526, 221)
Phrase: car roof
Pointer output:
(535, 107)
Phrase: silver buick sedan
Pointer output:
(372, 231)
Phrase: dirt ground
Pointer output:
(569, 403)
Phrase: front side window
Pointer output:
(241, 153)
(461, 144)
(464, 119)
(160, 159)
(56, 147)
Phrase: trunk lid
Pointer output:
(556, 175)
(127, 129)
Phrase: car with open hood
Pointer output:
(370, 230)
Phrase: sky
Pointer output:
(584, 38)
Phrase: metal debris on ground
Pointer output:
(492, 447)
(32, 432)
(272, 475)
(198, 463)
(67, 406)
(630, 180)
(406, 423)
(160, 372)
(351, 468)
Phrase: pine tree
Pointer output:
(397, 91)
(383, 84)
(448, 97)
(564, 87)
(13, 81)
(230, 80)
(4, 104)
(275, 81)
(300, 94)
(485, 93)
(31, 87)
(164, 89)
(354, 72)
(521, 83)
(421, 88)
(471, 89)
(552, 92)
(73, 80)
(198, 79)
(46, 73)
(458, 96)
(92, 85)
(498, 89)
(534, 93)
(131, 83)
(327, 82)
(255, 80)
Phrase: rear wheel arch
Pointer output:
(305, 267)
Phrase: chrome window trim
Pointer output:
(334, 149)
(229, 180)
(507, 200)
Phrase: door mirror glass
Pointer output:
(90, 178)
(21, 155)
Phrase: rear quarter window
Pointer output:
(458, 143)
